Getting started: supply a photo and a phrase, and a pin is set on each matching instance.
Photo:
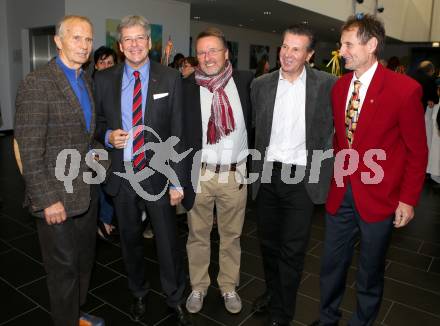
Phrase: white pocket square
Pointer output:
(159, 95)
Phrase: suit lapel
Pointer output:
(88, 83)
(311, 97)
(153, 82)
(241, 94)
(268, 107)
(117, 80)
(339, 110)
(65, 88)
(369, 106)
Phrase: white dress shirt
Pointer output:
(288, 136)
(232, 148)
(365, 80)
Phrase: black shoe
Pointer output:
(261, 304)
(103, 235)
(182, 316)
(277, 323)
(138, 308)
(319, 323)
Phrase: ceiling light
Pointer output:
(332, 29)
(196, 17)
(435, 44)
(267, 12)
(240, 25)
(274, 31)
(305, 22)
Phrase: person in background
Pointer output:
(263, 67)
(188, 66)
(177, 61)
(103, 58)
(424, 75)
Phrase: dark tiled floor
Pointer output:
(412, 285)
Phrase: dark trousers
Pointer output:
(284, 218)
(341, 233)
(128, 207)
(68, 251)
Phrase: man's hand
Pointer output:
(118, 138)
(55, 213)
(176, 196)
(404, 214)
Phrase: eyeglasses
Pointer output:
(210, 52)
(138, 39)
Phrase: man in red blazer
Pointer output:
(381, 156)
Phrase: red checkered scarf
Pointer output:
(221, 122)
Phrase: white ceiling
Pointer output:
(250, 14)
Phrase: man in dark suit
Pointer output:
(220, 149)
(378, 119)
(132, 94)
(55, 112)
(293, 129)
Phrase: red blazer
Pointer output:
(391, 119)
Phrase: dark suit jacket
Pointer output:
(392, 120)
(319, 126)
(193, 117)
(49, 119)
(163, 115)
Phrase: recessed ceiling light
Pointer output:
(435, 44)
(305, 22)
(240, 25)
(274, 31)
(332, 29)
(196, 17)
(267, 12)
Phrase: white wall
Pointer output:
(174, 17)
(406, 20)
(244, 37)
(5, 91)
(435, 31)
(16, 19)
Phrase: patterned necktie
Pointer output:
(352, 114)
(139, 161)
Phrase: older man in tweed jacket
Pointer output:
(55, 112)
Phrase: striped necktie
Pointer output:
(139, 161)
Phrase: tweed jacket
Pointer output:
(49, 119)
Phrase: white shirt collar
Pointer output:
(302, 76)
(367, 76)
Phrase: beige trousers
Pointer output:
(228, 193)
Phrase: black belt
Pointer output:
(216, 168)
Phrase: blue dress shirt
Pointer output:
(79, 87)
(127, 103)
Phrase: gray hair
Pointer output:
(60, 27)
(130, 21)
